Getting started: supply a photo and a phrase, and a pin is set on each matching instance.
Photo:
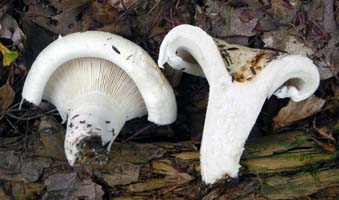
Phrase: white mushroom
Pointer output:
(240, 80)
(98, 81)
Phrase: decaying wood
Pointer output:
(285, 165)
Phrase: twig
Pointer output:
(125, 13)
(12, 125)
(138, 133)
(156, 5)
(261, 183)
(29, 118)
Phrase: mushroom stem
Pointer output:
(231, 114)
(233, 109)
(91, 130)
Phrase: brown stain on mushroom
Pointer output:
(223, 49)
(92, 150)
(252, 60)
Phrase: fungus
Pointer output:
(98, 81)
(240, 80)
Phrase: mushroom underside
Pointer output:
(97, 97)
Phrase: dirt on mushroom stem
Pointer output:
(92, 151)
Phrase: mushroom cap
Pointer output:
(153, 86)
(220, 61)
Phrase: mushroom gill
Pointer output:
(89, 90)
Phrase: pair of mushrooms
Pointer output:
(99, 80)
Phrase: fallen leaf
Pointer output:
(286, 39)
(6, 96)
(326, 133)
(326, 146)
(295, 111)
(16, 167)
(60, 17)
(229, 21)
(326, 57)
(266, 23)
(51, 141)
(69, 186)
(11, 30)
(284, 11)
(156, 183)
(8, 56)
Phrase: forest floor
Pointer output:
(292, 152)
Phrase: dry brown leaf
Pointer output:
(51, 141)
(229, 21)
(286, 39)
(56, 16)
(11, 30)
(326, 133)
(156, 183)
(295, 111)
(326, 146)
(163, 167)
(285, 11)
(6, 97)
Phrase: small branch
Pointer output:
(138, 133)
(29, 118)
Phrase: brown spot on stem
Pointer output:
(91, 150)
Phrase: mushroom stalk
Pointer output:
(93, 124)
(240, 80)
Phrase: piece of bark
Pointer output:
(293, 160)
(124, 175)
(269, 145)
(162, 170)
(20, 190)
(290, 187)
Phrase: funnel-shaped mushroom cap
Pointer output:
(240, 80)
(98, 81)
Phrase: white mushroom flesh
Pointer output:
(240, 80)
